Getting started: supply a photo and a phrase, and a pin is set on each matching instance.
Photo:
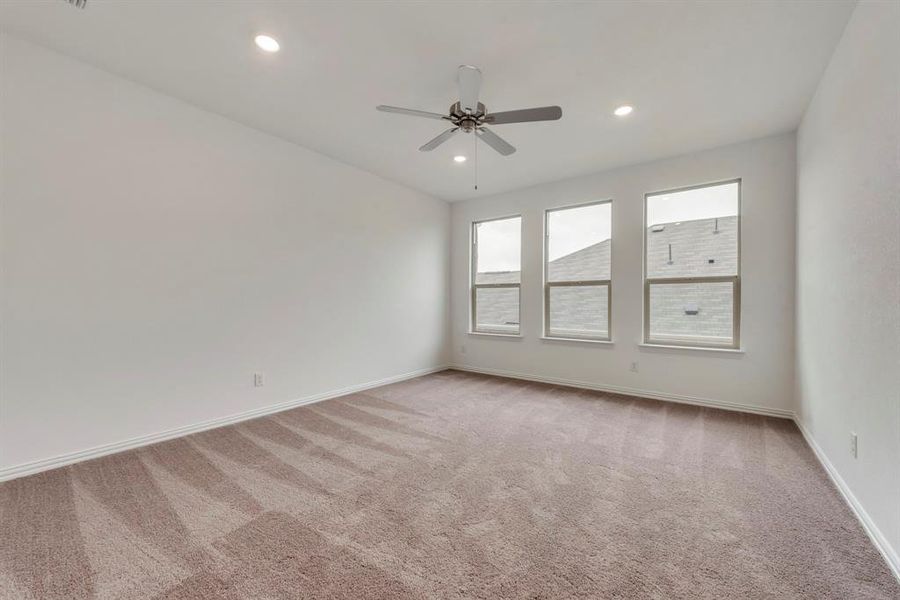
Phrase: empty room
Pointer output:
(389, 300)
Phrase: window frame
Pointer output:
(580, 283)
(473, 274)
(735, 280)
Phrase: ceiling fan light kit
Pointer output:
(468, 115)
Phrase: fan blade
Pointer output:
(469, 80)
(429, 146)
(543, 113)
(495, 141)
(411, 112)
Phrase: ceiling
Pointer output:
(699, 74)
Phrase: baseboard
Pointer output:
(144, 440)
(878, 539)
(681, 399)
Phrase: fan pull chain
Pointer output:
(475, 156)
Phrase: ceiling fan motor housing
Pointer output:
(467, 122)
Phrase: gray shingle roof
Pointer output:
(694, 244)
(588, 263)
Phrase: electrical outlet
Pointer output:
(854, 445)
(258, 380)
(634, 367)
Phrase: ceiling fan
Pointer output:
(470, 116)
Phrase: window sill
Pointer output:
(500, 335)
(695, 348)
(551, 338)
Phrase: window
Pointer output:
(577, 288)
(692, 266)
(496, 275)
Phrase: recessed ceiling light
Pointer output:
(459, 158)
(267, 43)
(623, 111)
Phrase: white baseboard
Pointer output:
(144, 440)
(681, 399)
(878, 539)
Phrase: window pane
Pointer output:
(693, 233)
(498, 251)
(579, 311)
(697, 313)
(579, 243)
(497, 310)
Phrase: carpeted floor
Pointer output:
(452, 485)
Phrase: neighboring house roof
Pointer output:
(693, 244)
(703, 247)
(592, 262)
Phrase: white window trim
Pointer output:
(681, 342)
(693, 348)
(515, 336)
(473, 271)
(577, 340)
(584, 283)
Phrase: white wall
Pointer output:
(154, 256)
(762, 377)
(848, 265)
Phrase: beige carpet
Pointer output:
(452, 485)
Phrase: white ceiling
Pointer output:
(700, 74)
